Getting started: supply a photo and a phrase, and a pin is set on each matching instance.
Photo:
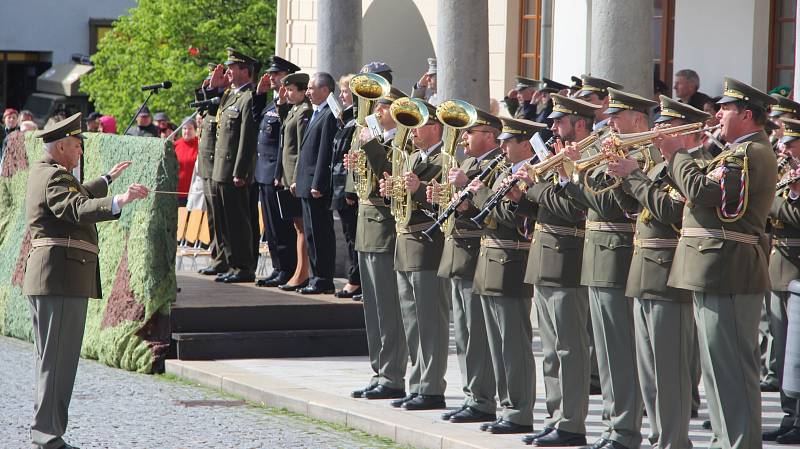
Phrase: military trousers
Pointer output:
(232, 222)
(727, 328)
(219, 262)
(472, 347)
(279, 233)
(426, 320)
(778, 323)
(612, 323)
(386, 341)
(508, 327)
(766, 343)
(566, 366)
(664, 341)
(58, 324)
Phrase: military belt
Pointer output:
(656, 243)
(466, 233)
(488, 242)
(610, 226)
(560, 230)
(373, 201)
(410, 229)
(785, 241)
(66, 243)
(723, 234)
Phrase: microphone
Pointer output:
(164, 85)
(204, 103)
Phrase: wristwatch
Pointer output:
(107, 177)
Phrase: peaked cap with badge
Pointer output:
(734, 90)
(519, 128)
(591, 85)
(70, 126)
(567, 106)
(625, 101)
(673, 109)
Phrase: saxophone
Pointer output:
(367, 88)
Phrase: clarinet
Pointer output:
(463, 195)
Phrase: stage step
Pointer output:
(273, 343)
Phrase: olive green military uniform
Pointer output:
(721, 257)
(506, 301)
(459, 258)
(291, 134)
(554, 270)
(375, 242)
(62, 271)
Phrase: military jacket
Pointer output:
(784, 259)
(555, 258)
(501, 272)
(719, 265)
(58, 206)
(291, 135)
(269, 137)
(237, 136)
(208, 135)
(375, 227)
(660, 209)
(460, 254)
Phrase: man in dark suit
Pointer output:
(280, 235)
(313, 185)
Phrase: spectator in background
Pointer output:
(10, 120)
(494, 107)
(26, 116)
(93, 122)
(425, 88)
(687, 83)
(57, 116)
(108, 124)
(144, 125)
(165, 127)
(27, 125)
(186, 151)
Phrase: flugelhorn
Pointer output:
(408, 113)
(537, 171)
(367, 88)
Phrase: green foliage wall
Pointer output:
(129, 327)
(158, 42)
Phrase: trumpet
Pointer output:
(409, 113)
(367, 88)
(536, 171)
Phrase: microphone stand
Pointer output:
(138, 111)
(188, 119)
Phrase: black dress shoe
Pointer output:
(560, 438)
(425, 402)
(790, 437)
(358, 298)
(271, 282)
(598, 444)
(470, 414)
(707, 424)
(397, 403)
(239, 278)
(360, 393)
(222, 276)
(446, 415)
(292, 288)
(772, 435)
(384, 392)
(611, 444)
(345, 294)
(485, 426)
(210, 271)
(505, 427)
(767, 387)
(595, 390)
(695, 414)
(311, 290)
(528, 439)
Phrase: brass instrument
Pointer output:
(367, 88)
(537, 171)
(408, 113)
(456, 115)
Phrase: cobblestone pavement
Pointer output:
(115, 409)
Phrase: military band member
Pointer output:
(375, 242)
(665, 335)
(545, 106)
(280, 235)
(499, 280)
(457, 266)
(595, 91)
(554, 270)
(292, 131)
(783, 268)
(416, 261)
(608, 248)
(721, 257)
(784, 108)
(62, 269)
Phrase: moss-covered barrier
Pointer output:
(129, 327)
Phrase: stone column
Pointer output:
(462, 51)
(339, 36)
(622, 43)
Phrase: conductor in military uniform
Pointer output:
(62, 269)
(721, 257)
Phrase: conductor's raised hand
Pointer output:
(118, 169)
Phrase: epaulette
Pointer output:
(64, 177)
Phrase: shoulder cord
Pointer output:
(741, 208)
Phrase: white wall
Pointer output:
(54, 26)
(570, 40)
(719, 38)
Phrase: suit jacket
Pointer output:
(269, 139)
(340, 178)
(291, 134)
(235, 150)
(718, 265)
(58, 206)
(316, 151)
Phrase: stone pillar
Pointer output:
(462, 51)
(546, 40)
(622, 43)
(339, 36)
(796, 87)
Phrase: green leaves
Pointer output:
(153, 43)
